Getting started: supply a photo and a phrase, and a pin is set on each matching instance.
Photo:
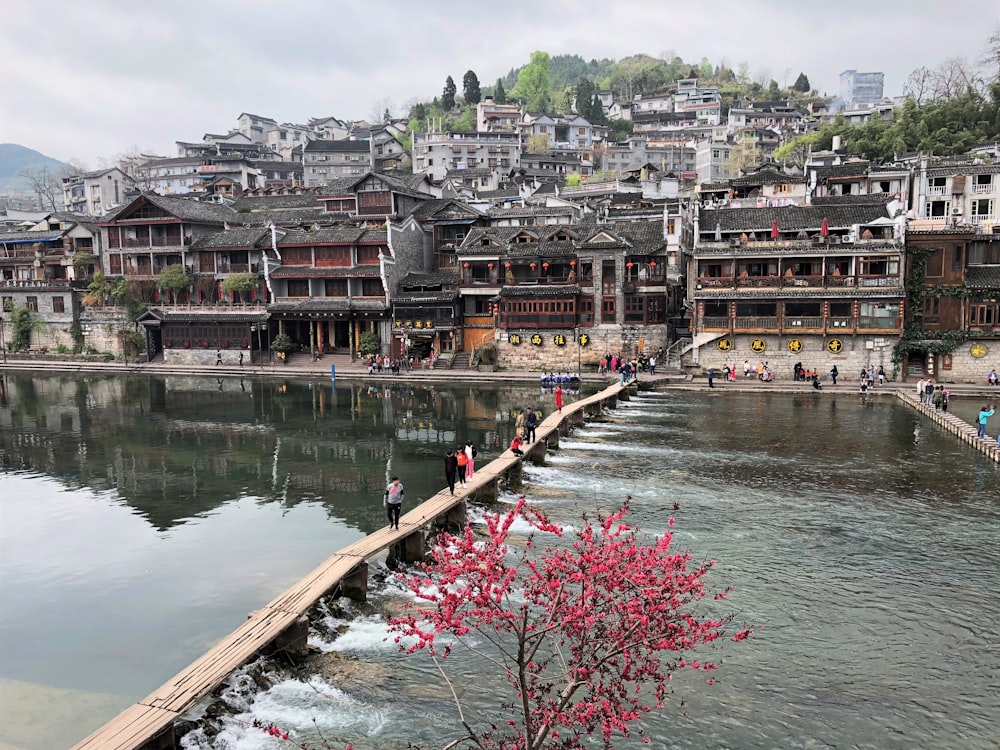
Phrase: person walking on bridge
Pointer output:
(393, 502)
(530, 423)
(450, 470)
(984, 417)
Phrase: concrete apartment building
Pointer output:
(434, 154)
(94, 193)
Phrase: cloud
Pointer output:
(88, 80)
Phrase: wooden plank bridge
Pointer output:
(282, 624)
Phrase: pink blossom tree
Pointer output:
(586, 634)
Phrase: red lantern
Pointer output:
(545, 265)
(533, 265)
(652, 264)
(465, 265)
(506, 265)
(572, 263)
(489, 266)
(629, 265)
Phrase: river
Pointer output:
(141, 518)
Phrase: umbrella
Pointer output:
(824, 228)
(774, 230)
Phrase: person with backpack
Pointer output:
(530, 423)
(462, 459)
(393, 502)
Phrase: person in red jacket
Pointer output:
(559, 394)
(515, 446)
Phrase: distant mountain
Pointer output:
(14, 159)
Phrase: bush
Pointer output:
(61, 349)
(282, 343)
(369, 344)
(485, 354)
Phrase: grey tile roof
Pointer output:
(334, 236)
(540, 290)
(432, 206)
(415, 279)
(983, 277)
(344, 146)
(265, 202)
(419, 298)
(37, 236)
(849, 169)
(214, 314)
(789, 218)
(242, 237)
(766, 177)
(187, 209)
(328, 304)
(844, 200)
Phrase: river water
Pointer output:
(141, 518)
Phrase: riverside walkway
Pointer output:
(282, 624)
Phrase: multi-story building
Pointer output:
(492, 117)
(285, 138)
(563, 133)
(780, 115)
(94, 193)
(554, 291)
(820, 285)
(712, 160)
(436, 153)
(324, 160)
(958, 269)
(860, 88)
(959, 191)
(329, 128)
(701, 101)
(254, 126)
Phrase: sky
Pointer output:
(87, 80)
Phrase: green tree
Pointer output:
(22, 324)
(174, 279)
(533, 83)
(538, 143)
(239, 283)
(585, 91)
(499, 92)
(470, 88)
(98, 291)
(448, 95)
(369, 344)
(802, 84)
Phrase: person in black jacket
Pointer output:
(530, 423)
(450, 470)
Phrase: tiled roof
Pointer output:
(243, 237)
(416, 279)
(789, 218)
(845, 200)
(766, 177)
(187, 209)
(983, 277)
(540, 290)
(36, 236)
(334, 236)
(812, 293)
(337, 146)
(265, 202)
(419, 298)
(328, 304)
(849, 169)
(212, 314)
(430, 207)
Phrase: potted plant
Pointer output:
(282, 344)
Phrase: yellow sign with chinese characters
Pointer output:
(835, 346)
(758, 345)
(514, 338)
(979, 350)
(795, 345)
(559, 340)
(725, 345)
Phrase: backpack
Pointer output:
(474, 451)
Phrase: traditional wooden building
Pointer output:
(820, 285)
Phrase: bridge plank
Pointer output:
(132, 728)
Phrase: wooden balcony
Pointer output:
(800, 324)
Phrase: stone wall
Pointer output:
(207, 357)
(571, 357)
(100, 328)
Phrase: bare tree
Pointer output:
(991, 55)
(381, 108)
(954, 77)
(46, 187)
(918, 85)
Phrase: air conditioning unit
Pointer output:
(956, 212)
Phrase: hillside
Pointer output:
(15, 158)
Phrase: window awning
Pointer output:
(29, 242)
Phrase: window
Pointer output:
(31, 303)
(298, 288)
(608, 310)
(783, 188)
(58, 305)
(582, 131)
(932, 308)
(984, 315)
(938, 209)
(956, 258)
(982, 208)
(934, 268)
(335, 288)
(372, 288)
(8, 304)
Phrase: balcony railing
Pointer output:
(758, 281)
(792, 323)
(980, 188)
(936, 189)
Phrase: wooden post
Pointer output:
(514, 476)
(355, 584)
(411, 548)
(452, 519)
(295, 638)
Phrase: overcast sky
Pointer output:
(86, 80)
